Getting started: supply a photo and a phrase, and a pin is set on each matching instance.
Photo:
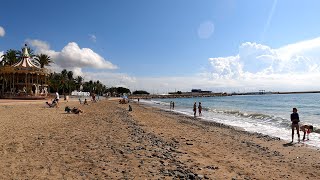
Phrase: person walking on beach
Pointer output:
(200, 109)
(173, 105)
(57, 98)
(194, 109)
(295, 123)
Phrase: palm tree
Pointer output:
(43, 60)
(63, 80)
(79, 81)
(70, 80)
(54, 81)
(9, 58)
(99, 87)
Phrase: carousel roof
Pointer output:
(25, 61)
(25, 65)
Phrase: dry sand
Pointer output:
(109, 142)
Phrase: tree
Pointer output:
(70, 80)
(63, 80)
(54, 82)
(43, 60)
(122, 90)
(79, 81)
(140, 92)
(10, 57)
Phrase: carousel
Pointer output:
(23, 80)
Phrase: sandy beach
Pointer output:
(109, 142)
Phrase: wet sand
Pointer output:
(109, 142)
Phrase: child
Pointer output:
(85, 102)
(306, 129)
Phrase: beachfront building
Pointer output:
(24, 79)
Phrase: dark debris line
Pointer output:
(164, 153)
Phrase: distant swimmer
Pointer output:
(295, 123)
(200, 109)
(307, 129)
(194, 109)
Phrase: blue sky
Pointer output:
(225, 45)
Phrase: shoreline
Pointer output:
(207, 122)
(280, 132)
(264, 145)
(109, 142)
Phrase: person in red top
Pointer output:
(306, 129)
(295, 123)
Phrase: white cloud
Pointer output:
(292, 67)
(40, 45)
(93, 38)
(1, 53)
(72, 56)
(2, 31)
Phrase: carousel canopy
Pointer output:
(25, 65)
(25, 61)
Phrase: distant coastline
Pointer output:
(279, 92)
(192, 94)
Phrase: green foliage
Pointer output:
(13, 56)
(63, 81)
(9, 58)
(43, 60)
(118, 90)
(140, 92)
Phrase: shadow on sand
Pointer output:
(288, 144)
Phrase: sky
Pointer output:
(173, 45)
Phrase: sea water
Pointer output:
(268, 114)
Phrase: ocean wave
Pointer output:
(262, 118)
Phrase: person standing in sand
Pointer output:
(194, 109)
(295, 123)
(57, 98)
(200, 109)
